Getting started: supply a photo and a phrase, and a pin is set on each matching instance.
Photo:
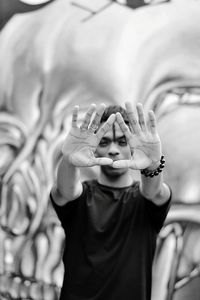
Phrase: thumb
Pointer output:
(122, 164)
(132, 164)
(102, 161)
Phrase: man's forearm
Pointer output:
(154, 189)
(68, 185)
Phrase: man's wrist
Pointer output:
(156, 171)
(153, 166)
(67, 158)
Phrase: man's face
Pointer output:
(114, 145)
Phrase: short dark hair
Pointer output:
(113, 109)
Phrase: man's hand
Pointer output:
(81, 142)
(143, 139)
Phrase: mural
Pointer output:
(78, 52)
(8, 8)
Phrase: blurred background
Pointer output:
(58, 53)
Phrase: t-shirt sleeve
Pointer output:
(158, 213)
(66, 212)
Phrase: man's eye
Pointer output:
(122, 142)
(103, 143)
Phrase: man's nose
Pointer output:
(113, 150)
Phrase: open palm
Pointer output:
(81, 142)
(142, 138)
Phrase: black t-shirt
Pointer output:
(110, 243)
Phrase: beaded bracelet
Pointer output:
(152, 173)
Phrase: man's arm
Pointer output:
(154, 189)
(68, 185)
(145, 146)
(78, 151)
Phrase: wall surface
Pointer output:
(80, 52)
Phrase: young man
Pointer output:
(111, 224)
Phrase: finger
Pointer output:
(152, 122)
(141, 118)
(132, 164)
(95, 122)
(132, 118)
(118, 164)
(82, 161)
(125, 129)
(100, 161)
(88, 116)
(75, 116)
(105, 127)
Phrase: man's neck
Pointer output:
(121, 181)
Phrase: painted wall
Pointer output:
(79, 52)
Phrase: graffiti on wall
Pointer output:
(50, 60)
